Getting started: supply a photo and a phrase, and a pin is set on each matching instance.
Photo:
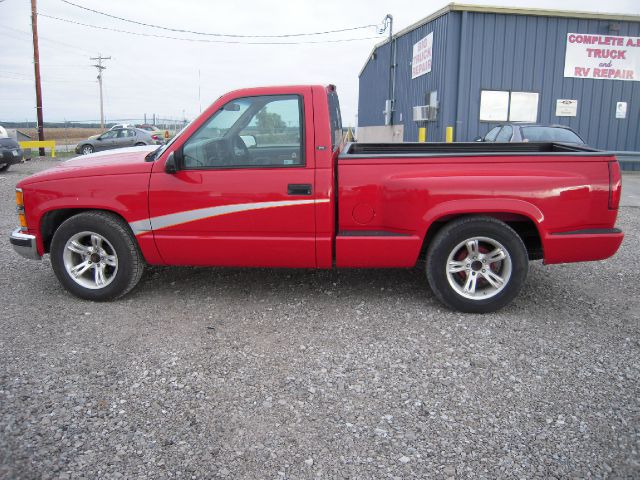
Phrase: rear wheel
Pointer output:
(140, 144)
(87, 149)
(4, 168)
(96, 257)
(477, 264)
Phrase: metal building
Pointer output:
(473, 67)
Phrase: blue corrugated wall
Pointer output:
(475, 51)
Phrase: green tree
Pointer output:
(270, 122)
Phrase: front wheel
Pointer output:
(95, 256)
(477, 264)
(87, 149)
(140, 144)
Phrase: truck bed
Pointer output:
(390, 194)
(400, 150)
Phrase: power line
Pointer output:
(27, 80)
(202, 39)
(41, 37)
(179, 30)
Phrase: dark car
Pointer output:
(531, 132)
(120, 138)
(10, 153)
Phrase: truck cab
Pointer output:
(256, 178)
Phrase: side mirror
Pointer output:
(231, 107)
(170, 165)
(249, 140)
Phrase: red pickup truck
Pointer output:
(261, 179)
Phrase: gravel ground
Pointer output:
(238, 373)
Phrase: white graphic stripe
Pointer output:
(165, 221)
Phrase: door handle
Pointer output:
(299, 189)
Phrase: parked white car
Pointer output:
(119, 126)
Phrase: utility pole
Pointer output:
(36, 66)
(389, 19)
(100, 68)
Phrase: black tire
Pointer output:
(448, 242)
(119, 241)
(140, 144)
(87, 149)
(4, 168)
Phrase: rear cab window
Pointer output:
(335, 119)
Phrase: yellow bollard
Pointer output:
(449, 135)
(422, 134)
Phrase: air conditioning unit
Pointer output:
(423, 113)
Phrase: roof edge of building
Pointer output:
(539, 12)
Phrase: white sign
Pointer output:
(422, 56)
(523, 107)
(566, 108)
(603, 57)
(500, 106)
(621, 110)
(494, 106)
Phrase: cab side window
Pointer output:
(262, 131)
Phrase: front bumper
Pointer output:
(24, 244)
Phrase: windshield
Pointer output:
(158, 151)
(550, 134)
(223, 120)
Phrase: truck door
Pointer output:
(244, 192)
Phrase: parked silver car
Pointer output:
(124, 137)
(531, 132)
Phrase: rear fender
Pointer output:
(501, 208)
(466, 207)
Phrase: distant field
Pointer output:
(64, 135)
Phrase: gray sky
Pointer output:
(152, 75)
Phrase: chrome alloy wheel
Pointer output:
(479, 268)
(90, 260)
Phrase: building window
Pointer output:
(504, 105)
